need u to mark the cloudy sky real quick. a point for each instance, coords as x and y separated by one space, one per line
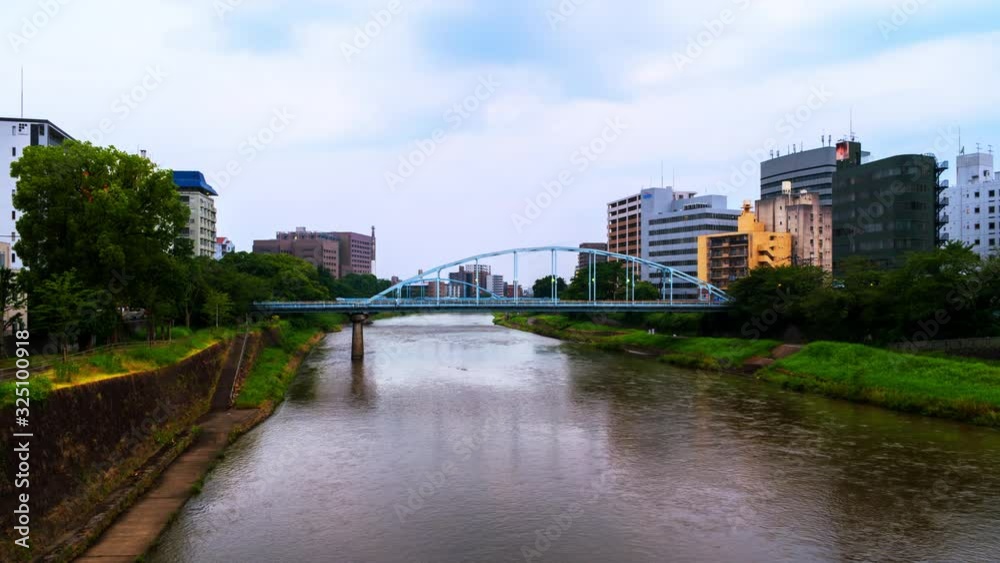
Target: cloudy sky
448 124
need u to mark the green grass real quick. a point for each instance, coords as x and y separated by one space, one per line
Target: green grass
701 353
40 388
270 374
958 389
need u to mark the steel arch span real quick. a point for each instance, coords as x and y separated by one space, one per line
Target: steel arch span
668 275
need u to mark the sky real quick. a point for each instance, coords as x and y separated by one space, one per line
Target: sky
463 127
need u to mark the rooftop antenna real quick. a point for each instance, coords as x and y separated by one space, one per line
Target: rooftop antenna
852 124
977 147
961 149
661 174
991 149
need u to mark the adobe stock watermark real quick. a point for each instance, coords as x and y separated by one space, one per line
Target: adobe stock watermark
455 117
786 127
434 481
123 106
224 7
564 10
713 30
561 523
868 218
34 24
254 144
901 14
581 161
364 35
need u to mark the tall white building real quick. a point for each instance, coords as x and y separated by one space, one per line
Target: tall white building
197 194
974 204
19 134
671 223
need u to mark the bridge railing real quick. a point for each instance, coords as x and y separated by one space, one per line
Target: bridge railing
482 304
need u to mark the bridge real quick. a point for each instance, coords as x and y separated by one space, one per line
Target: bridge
400 297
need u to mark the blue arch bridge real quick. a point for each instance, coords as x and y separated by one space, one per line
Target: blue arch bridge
675 292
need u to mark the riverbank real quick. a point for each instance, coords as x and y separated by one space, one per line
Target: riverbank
138 529
158 442
958 389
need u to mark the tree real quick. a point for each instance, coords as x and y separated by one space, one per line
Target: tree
217 307
57 308
543 286
98 212
11 300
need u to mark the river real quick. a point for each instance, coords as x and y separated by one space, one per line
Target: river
457 440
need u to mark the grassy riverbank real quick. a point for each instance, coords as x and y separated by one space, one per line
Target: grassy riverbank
276 365
959 389
692 352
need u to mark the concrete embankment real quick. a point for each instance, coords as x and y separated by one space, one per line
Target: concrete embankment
137 529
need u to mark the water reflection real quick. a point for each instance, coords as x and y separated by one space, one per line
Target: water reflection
459 441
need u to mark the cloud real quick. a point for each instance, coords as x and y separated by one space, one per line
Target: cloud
225 76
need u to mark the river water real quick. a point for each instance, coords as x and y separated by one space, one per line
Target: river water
457 440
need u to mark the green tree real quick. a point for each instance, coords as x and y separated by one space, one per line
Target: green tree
217 307
97 212
542 287
58 307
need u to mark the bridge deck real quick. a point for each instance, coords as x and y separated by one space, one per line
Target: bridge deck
489 305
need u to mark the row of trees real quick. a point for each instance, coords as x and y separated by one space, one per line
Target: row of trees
945 293
101 240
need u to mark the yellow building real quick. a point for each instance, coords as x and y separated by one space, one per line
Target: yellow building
726 257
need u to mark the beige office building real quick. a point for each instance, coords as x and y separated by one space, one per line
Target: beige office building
809 222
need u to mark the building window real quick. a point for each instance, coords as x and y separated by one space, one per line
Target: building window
13 215
13 151
993 193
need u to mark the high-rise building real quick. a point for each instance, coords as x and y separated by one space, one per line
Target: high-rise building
319 249
357 252
197 195
583 260
470 277
223 246
725 258
23 133
886 208
670 227
808 221
625 217
973 204
496 285
811 170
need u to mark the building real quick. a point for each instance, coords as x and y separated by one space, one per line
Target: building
319 249
583 260
811 170
223 246
725 258
468 278
23 133
5 262
511 290
802 215
670 227
197 195
973 204
625 218
496 285
886 208
357 252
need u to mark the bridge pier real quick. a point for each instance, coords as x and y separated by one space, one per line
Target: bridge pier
358 336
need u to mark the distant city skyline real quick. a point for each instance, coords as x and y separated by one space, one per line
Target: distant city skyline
461 128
